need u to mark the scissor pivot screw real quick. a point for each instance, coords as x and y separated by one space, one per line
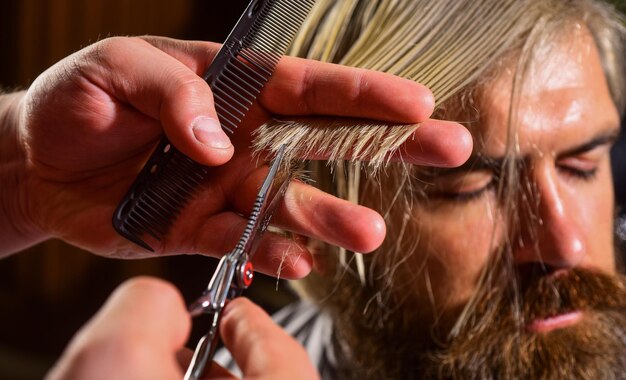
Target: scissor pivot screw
245 275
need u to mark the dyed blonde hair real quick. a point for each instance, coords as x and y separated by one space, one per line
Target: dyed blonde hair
451 46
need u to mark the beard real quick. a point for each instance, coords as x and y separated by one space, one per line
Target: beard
494 341
500 344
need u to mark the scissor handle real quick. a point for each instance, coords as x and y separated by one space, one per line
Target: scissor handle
205 349
239 276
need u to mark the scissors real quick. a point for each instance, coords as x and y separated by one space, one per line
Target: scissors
235 272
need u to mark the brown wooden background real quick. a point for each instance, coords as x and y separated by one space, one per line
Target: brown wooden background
49 291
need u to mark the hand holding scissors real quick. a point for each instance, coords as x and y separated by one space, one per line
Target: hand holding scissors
235 272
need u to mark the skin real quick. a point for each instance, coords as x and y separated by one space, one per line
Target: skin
566 126
138 334
73 143
85 127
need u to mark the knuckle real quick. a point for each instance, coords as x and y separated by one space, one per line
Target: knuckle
185 83
102 50
163 298
149 286
110 50
237 321
359 87
308 92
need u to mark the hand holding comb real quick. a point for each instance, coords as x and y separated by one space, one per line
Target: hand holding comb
236 76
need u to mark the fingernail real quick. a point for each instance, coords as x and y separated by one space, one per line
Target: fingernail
209 132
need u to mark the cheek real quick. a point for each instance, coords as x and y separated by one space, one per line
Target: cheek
597 211
456 243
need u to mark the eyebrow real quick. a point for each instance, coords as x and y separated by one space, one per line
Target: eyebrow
479 162
604 138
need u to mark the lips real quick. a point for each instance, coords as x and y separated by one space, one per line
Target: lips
546 325
559 299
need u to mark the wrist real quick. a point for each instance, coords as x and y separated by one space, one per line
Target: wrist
16 225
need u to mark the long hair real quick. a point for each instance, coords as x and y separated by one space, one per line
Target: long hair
454 47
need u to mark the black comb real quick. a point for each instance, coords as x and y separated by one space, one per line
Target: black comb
236 76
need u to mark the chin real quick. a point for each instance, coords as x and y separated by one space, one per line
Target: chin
567 327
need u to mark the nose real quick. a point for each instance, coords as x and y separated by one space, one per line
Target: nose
551 233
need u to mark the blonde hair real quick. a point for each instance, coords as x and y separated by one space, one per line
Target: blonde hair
452 47
445 45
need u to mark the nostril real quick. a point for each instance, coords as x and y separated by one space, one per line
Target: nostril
528 273
530 270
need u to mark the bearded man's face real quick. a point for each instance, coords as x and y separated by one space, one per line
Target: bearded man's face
551 302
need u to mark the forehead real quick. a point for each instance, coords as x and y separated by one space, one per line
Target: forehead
562 98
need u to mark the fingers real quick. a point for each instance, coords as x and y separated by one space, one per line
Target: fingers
305 211
260 348
164 88
169 89
196 55
208 227
305 87
437 143
434 143
134 336
276 254
215 371
311 212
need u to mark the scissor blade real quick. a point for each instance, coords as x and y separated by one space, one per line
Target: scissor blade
265 218
256 222
204 352
266 188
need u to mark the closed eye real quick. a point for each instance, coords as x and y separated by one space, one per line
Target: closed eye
584 165
462 187
585 175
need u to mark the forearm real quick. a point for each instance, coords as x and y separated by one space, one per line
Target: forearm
16 231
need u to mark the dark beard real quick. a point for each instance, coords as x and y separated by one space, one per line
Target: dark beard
495 342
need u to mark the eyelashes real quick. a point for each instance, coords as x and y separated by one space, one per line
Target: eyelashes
464 196
585 175
469 196
461 197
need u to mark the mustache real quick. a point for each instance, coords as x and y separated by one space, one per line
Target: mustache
547 295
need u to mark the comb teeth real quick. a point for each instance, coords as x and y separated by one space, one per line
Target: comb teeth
280 23
253 58
238 73
164 186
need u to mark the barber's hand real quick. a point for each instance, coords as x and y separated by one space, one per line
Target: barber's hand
90 122
140 331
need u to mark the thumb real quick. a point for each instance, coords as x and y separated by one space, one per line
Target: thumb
134 336
260 348
191 123
164 88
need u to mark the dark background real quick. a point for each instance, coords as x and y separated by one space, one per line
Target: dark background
49 291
